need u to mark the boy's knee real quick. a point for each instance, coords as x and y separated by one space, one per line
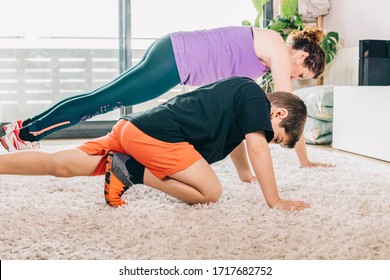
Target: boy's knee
213 195
212 199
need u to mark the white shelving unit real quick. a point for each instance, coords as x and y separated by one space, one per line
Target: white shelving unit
361 120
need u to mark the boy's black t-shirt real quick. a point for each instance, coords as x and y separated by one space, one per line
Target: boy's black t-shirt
213 118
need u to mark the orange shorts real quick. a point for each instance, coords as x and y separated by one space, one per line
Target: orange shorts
160 158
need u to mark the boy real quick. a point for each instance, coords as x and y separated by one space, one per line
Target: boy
172 145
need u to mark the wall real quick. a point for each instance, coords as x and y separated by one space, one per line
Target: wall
353 20
153 19
358 19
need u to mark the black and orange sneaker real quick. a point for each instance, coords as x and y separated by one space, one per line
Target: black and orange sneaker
117 179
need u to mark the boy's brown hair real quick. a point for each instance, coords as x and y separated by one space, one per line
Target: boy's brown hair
294 123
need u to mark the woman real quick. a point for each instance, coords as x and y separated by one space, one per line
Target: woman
190 58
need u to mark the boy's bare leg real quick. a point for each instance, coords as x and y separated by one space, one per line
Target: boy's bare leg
196 184
67 163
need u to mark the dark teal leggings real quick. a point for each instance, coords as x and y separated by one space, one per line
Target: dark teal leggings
154 75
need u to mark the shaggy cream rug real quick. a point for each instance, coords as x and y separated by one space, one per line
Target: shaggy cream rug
349 218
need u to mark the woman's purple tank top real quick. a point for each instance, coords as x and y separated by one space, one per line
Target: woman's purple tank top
205 56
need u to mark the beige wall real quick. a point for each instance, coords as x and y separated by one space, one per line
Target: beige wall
358 19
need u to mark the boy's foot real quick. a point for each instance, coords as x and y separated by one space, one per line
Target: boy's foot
8 128
11 142
117 179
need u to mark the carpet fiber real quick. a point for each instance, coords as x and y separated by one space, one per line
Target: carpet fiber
349 218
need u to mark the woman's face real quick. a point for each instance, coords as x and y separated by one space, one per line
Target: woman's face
298 70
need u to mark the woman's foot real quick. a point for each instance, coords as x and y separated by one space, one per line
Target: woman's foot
11 142
8 128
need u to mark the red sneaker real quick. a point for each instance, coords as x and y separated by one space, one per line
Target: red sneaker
8 128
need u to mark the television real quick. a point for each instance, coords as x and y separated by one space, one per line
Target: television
374 63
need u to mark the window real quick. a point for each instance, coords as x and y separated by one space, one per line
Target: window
51 50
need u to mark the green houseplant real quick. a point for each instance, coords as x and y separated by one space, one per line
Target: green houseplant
288 21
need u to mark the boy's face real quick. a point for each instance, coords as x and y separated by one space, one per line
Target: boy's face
277 116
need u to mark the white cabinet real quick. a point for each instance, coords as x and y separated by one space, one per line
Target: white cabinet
361 120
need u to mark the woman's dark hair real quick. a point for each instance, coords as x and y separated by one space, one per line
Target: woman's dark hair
308 40
295 121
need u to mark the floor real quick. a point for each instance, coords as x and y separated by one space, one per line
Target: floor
330 148
323 147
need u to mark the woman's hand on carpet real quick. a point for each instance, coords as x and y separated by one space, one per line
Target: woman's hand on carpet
317 164
290 205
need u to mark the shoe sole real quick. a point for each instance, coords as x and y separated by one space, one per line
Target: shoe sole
113 187
4 144
7 128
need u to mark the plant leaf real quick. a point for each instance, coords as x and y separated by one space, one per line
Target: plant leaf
257 21
329 45
259 5
333 36
289 8
298 22
246 23
277 25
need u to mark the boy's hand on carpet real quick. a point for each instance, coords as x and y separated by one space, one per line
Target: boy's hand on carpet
252 179
290 205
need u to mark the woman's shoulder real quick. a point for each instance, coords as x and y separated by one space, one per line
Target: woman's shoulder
268 44
267 34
